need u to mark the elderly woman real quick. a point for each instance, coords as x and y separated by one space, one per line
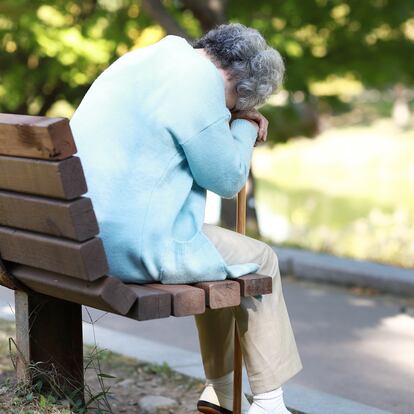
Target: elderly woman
158 128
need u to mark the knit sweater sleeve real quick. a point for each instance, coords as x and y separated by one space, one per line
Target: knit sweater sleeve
219 156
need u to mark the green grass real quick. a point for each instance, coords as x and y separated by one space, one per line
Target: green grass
349 192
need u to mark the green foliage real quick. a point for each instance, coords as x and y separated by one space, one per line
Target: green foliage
367 43
163 370
291 120
51 51
372 40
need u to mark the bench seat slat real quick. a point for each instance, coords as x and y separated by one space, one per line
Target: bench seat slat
185 300
106 293
36 136
255 284
70 219
56 179
150 304
220 294
85 260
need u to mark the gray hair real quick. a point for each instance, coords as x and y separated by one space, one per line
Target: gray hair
256 68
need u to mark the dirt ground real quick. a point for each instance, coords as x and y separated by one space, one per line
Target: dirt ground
117 383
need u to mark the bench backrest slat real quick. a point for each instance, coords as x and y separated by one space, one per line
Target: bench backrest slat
85 260
58 179
44 222
69 219
36 137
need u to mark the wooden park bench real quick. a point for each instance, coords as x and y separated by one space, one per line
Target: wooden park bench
55 261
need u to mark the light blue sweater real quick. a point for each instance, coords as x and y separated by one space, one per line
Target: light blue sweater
153 134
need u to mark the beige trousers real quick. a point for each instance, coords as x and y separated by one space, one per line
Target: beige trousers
268 344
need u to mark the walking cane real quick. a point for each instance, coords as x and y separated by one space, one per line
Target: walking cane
237 363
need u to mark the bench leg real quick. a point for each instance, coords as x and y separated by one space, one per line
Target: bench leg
49 333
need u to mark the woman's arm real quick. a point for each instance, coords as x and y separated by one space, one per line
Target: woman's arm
219 156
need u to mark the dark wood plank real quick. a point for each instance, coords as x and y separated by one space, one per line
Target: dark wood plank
71 219
9 281
255 284
6 279
49 334
36 137
85 260
106 293
185 300
57 179
220 294
150 304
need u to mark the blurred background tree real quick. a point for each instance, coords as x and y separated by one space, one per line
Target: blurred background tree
52 50
335 50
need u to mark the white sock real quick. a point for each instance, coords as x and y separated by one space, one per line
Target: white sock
219 391
269 403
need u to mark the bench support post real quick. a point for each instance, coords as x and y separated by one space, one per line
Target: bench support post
49 335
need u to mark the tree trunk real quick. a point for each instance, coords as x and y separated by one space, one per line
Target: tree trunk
401 110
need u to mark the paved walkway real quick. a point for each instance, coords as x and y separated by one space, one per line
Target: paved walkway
354 347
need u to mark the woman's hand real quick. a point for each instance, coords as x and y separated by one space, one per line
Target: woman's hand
258 118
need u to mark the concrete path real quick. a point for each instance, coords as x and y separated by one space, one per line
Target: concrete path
354 347
343 271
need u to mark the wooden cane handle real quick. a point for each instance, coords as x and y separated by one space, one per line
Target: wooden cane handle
241 211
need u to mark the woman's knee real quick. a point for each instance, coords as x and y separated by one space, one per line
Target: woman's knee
270 264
